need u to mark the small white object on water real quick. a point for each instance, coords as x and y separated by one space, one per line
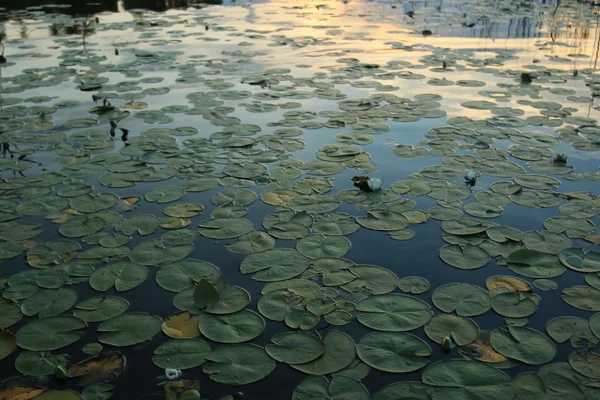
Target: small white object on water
173 374
471 176
374 183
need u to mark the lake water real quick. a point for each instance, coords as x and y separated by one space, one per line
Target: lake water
148 134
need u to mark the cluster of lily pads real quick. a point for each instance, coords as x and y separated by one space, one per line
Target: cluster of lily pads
86 217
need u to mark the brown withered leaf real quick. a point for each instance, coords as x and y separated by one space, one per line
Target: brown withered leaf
21 388
28 244
182 325
361 182
175 389
136 105
174 223
592 239
20 393
482 350
128 203
103 367
63 216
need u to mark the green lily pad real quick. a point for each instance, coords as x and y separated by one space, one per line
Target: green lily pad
574 329
10 314
164 194
122 275
234 197
252 242
181 275
88 203
393 352
49 302
181 353
317 246
220 298
579 260
274 265
546 242
314 203
371 279
225 228
154 252
586 364
383 221
514 304
535 264
413 284
393 312
340 351
462 330
340 388
464 226
403 390
238 364
466 300
50 333
129 329
96 309
81 227
468 257
465 379
524 344
38 364
295 347
238 327
582 297
42 205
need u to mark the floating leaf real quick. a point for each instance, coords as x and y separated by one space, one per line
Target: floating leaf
182 326
129 329
49 302
95 309
122 275
468 257
340 388
274 265
154 252
467 300
181 275
238 327
393 312
459 379
340 350
295 347
238 364
225 228
523 344
103 367
462 330
393 352
50 333
181 353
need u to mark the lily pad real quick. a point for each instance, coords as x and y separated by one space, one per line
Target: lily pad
129 329
340 351
524 344
238 364
50 333
295 347
393 352
393 312
181 353
238 327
